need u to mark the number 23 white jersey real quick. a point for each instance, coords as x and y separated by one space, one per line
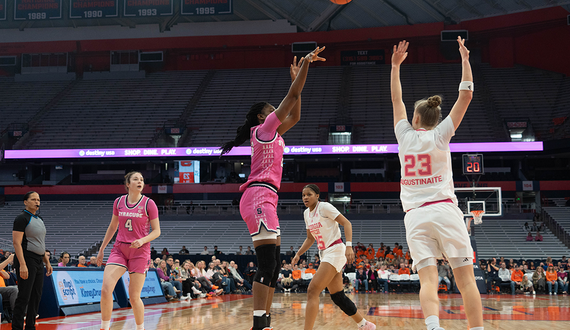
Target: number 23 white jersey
321 222
425 161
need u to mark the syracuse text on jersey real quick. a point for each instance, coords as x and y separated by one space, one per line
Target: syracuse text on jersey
130 214
422 181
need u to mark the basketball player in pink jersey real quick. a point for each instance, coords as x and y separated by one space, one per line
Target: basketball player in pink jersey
322 220
134 215
264 127
434 223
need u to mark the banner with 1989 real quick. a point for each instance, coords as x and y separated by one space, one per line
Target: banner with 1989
37 9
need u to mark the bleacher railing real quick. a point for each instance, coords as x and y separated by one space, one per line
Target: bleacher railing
556 228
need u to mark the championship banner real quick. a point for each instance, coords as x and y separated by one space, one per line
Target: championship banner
37 9
206 7
2 10
77 287
93 8
148 8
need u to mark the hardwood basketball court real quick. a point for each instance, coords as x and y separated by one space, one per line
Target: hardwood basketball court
389 311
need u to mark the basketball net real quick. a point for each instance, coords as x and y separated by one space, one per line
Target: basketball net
477 216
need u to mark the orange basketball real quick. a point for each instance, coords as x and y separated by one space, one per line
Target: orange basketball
341 2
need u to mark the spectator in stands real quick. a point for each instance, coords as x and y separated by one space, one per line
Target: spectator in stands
539 280
249 251
516 278
526 227
562 279
81 261
404 269
291 251
157 262
199 272
529 237
230 285
240 251
238 277
383 275
189 283
316 261
552 280
372 276
250 272
7 293
216 252
349 268
286 283
370 252
205 252
381 252
165 281
361 280
93 262
63 259
504 273
443 274
538 237
153 253
492 275
165 252
532 266
184 251
526 270
297 277
564 261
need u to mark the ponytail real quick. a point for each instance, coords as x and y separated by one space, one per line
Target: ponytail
243 131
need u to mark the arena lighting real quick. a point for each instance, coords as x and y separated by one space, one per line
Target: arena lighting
352 149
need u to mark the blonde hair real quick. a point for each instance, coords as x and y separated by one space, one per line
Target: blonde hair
128 178
429 111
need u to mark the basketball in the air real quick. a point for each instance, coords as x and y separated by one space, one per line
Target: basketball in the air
341 2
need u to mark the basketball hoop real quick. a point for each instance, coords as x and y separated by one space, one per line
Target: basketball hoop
477 216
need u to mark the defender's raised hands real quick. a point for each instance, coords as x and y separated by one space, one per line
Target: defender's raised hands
462 49
314 55
400 52
295 67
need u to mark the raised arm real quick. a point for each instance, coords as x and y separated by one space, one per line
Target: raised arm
399 55
296 88
295 114
465 88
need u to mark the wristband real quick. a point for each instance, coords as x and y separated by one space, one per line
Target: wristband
467 86
348 243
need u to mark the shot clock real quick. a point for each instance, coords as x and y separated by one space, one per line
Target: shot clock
473 164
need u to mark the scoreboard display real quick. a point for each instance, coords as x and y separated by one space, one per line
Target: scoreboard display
206 7
148 8
93 9
473 164
37 9
2 10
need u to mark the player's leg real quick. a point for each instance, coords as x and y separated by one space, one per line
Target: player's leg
323 277
135 287
111 275
465 280
276 272
338 296
429 282
261 289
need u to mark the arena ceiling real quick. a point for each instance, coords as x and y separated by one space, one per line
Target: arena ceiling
322 15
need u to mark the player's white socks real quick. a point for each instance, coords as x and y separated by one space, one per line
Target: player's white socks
362 323
432 322
105 325
140 326
259 313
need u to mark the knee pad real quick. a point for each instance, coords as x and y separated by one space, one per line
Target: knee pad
277 269
344 303
265 264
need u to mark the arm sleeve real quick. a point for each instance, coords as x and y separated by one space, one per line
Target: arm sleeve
268 129
402 128
444 132
116 207
151 209
329 211
20 224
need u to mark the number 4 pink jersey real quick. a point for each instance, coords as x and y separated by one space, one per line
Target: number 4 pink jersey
134 220
425 164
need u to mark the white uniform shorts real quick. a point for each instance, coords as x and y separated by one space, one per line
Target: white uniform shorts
436 230
334 255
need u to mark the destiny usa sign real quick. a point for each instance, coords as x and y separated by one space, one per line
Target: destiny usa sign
352 149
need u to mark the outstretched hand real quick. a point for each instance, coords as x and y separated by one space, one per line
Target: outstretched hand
295 67
400 52
462 49
314 55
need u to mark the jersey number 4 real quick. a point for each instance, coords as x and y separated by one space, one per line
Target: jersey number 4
410 165
129 225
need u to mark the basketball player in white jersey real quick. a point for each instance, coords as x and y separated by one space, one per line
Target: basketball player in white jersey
434 223
322 220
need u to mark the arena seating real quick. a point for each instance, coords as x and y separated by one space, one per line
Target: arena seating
22 100
116 113
561 215
75 226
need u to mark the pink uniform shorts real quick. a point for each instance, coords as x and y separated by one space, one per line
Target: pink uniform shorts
134 260
258 207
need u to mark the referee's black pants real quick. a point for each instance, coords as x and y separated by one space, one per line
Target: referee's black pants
29 292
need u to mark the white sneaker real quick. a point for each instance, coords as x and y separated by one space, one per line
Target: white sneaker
555 293
183 297
534 292
196 291
368 326
550 293
189 296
